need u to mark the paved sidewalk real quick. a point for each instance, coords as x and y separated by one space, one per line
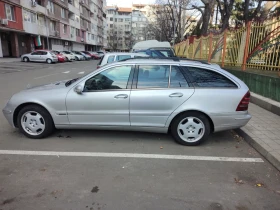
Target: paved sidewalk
9 60
263 133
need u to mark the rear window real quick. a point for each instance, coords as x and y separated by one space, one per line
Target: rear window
208 78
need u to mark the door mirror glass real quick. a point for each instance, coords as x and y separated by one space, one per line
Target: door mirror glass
79 89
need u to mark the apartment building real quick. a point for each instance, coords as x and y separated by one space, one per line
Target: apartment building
26 25
126 26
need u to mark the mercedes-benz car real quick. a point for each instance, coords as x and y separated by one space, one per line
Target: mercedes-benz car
189 99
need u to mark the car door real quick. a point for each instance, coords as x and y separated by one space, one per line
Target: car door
35 56
156 92
104 100
43 56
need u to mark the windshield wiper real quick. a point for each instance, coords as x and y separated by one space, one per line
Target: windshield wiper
71 81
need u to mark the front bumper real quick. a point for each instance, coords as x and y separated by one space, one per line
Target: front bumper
9 115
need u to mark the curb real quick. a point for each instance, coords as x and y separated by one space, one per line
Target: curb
266 103
262 148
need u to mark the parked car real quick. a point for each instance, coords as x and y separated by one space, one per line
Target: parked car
78 57
93 56
60 56
69 57
86 57
154 48
40 56
113 57
101 53
189 99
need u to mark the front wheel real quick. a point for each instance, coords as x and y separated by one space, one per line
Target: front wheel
35 122
190 128
26 59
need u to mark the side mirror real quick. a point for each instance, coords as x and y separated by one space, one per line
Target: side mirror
79 89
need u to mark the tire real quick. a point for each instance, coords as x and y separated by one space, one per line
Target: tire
25 59
42 117
190 128
49 61
67 60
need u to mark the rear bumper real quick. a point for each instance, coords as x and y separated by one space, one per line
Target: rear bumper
227 122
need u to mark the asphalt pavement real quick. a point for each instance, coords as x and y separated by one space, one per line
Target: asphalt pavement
85 169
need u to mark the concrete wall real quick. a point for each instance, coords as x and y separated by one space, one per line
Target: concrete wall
78 47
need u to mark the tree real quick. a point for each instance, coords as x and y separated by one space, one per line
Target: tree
225 7
112 39
247 10
169 16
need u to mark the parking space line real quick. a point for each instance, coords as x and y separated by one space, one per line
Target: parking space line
45 76
66 72
82 72
130 155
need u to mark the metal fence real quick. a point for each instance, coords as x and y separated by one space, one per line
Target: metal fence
255 46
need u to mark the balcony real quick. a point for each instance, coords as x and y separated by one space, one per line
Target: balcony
73 9
36 8
74 23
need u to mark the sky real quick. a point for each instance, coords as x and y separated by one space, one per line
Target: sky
128 3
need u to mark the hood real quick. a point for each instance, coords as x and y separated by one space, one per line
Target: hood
51 86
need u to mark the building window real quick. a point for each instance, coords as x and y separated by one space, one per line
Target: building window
111 19
41 20
120 20
83 34
63 13
92 36
77 18
77 32
126 27
10 12
51 7
52 27
72 30
127 19
64 29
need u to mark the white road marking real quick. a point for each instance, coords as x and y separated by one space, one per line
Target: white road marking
81 72
130 155
45 76
66 72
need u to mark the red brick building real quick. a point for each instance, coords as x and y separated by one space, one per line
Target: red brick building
11 26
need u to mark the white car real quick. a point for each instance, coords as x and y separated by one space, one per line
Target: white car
77 57
69 57
113 57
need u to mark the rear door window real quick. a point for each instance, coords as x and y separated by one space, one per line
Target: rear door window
177 79
153 76
208 78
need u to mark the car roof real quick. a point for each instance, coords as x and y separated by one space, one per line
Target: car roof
123 53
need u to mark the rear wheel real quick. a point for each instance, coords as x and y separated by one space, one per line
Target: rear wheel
49 61
35 122
190 128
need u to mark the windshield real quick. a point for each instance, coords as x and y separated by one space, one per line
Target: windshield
164 52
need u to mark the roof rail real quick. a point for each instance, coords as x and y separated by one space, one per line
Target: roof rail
166 58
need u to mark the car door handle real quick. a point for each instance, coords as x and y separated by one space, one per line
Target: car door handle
176 95
121 96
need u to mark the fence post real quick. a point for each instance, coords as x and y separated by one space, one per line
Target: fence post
200 43
248 30
224 48
210 47
187 48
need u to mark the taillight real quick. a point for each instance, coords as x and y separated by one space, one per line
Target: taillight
244 103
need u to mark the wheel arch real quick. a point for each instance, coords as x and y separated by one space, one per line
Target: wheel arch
197 111
21 106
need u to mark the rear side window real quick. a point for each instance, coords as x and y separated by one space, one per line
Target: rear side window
121 57
111 59
207 78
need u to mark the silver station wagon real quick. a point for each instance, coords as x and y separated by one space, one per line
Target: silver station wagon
189 99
